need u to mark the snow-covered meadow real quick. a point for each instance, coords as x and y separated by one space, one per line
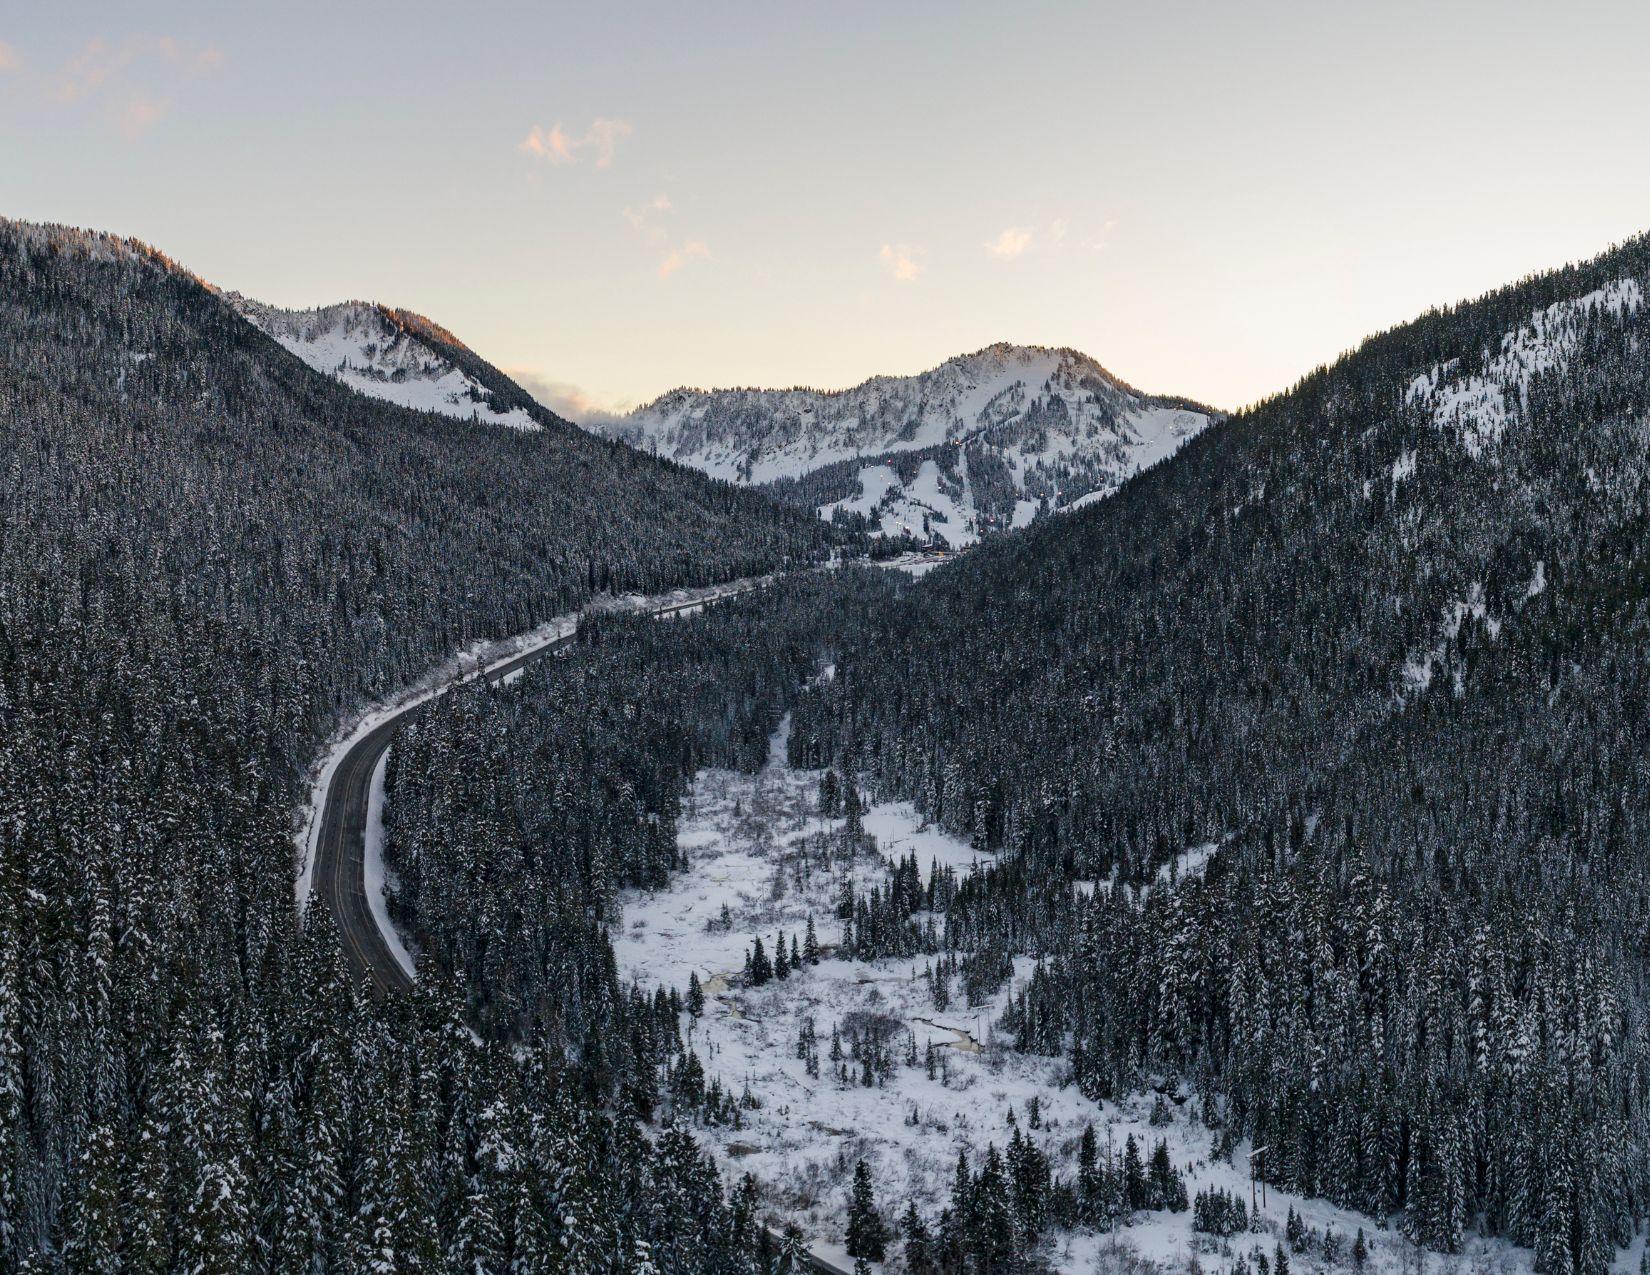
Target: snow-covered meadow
758 865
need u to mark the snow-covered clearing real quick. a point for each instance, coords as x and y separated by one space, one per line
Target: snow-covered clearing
1188 863
917 565
921 508
875 482
1418 668
758 864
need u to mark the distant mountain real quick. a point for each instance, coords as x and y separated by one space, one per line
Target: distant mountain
397 356
984 441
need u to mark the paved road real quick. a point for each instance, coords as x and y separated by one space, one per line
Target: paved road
340 850
339 879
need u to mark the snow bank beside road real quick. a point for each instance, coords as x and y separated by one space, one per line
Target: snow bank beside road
373 871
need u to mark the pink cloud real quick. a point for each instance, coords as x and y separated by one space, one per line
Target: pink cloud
676 258
643 219
555 145
130 82
101 64
649 221
552 145
901 262
141 113
1011 243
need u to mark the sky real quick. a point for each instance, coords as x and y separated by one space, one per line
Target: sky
616 198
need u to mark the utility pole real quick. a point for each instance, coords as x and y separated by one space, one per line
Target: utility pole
1254 1156
1116 1222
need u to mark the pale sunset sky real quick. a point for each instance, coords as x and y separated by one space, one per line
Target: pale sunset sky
612 199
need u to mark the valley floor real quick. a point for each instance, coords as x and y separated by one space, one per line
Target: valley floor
762 862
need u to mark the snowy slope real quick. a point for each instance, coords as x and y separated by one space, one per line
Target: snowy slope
1002 434
1476 407
926 507
387 354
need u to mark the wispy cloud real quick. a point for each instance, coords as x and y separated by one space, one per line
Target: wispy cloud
901 262
1049 238
101 65
1011 243
141 113
649 221
645 218
555 145
566 399
129 82
676 258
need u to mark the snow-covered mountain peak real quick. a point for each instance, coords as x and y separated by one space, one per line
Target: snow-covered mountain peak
986 439
394 355
998 365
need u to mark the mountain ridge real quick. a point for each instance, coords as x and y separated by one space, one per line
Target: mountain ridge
400 356
876 377
983 441
415 347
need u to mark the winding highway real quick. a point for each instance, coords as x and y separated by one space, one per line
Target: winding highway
339 870
339 879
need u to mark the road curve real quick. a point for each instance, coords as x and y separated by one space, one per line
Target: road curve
339 873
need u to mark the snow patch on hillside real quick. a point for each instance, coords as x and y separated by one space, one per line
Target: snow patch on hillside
358 345
927 507
896 510
1190 862
1477 408
1418 668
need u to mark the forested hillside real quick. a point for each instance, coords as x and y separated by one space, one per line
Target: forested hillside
1310 768
1381 639
208 552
